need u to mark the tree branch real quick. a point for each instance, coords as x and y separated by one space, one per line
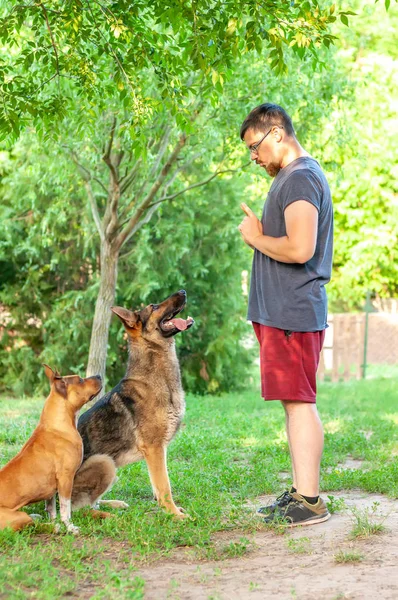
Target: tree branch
111 216
162 150
51 35
111 137
195 185
128 179
155 205
94 210
84 172
138 226
178 170
119 158
130 228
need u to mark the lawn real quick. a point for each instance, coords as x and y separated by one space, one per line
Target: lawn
230 450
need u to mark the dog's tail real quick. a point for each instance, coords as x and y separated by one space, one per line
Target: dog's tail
95 477
15 519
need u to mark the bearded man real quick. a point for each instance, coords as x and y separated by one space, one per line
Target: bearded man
293 245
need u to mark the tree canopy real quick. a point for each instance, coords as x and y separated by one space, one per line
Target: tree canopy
55 52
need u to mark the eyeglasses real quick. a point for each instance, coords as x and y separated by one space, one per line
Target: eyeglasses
254 147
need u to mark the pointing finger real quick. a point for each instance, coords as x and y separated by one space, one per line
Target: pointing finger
246 209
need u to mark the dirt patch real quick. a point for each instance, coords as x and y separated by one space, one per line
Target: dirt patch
297 565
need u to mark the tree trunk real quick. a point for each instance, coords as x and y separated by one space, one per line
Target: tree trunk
102 316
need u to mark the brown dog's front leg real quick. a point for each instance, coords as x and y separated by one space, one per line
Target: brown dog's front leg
65 510
64 494
155 457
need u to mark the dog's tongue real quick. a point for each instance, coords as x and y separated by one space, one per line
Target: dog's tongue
181 324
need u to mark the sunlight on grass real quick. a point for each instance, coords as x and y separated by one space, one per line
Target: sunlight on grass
280 437
332 426
392 417
249 442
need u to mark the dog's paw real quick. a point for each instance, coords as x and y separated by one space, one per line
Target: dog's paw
70 528
181 514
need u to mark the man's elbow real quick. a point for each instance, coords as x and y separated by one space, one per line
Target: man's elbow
303 255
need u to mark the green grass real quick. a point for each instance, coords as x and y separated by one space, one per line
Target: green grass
365 522
301 545
351 557
230 449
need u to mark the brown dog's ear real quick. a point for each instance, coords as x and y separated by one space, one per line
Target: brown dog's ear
49 373
60 386
128 318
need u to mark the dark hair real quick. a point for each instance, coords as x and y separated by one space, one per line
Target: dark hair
264 116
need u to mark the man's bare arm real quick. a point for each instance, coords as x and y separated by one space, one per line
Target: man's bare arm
298 246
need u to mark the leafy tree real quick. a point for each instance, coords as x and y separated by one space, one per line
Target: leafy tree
192 240
136 79
53 51
138 156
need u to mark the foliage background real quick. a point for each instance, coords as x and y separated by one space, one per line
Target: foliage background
344 115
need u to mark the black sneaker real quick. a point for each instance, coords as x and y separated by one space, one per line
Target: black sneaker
280 502
299 512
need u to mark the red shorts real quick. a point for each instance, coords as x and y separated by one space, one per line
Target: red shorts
288 363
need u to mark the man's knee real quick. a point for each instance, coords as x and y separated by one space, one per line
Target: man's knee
296 406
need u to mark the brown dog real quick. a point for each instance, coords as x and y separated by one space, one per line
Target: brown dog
50 458
138 418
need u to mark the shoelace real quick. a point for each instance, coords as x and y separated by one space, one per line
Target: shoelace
284 499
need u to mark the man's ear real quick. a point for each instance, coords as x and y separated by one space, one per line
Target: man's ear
49 373
128 318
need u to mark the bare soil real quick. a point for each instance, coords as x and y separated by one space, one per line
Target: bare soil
274 569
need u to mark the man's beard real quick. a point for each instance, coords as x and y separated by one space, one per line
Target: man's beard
272 169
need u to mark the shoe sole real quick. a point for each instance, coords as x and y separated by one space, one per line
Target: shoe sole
311 521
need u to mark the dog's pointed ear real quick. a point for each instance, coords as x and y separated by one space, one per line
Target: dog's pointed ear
55 377
49 373
60 386
128 318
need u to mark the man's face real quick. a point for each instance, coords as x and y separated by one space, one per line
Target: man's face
265 155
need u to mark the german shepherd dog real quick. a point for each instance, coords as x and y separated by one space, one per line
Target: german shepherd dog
139 417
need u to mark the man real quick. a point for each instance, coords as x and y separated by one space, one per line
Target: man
287 303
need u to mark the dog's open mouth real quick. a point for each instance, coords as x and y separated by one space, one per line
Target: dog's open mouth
95 394
170 324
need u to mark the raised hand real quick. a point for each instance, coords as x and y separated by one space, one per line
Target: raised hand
250 228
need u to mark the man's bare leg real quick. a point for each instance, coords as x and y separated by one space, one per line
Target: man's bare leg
294 480
305 435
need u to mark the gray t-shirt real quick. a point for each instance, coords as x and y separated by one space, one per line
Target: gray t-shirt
293 296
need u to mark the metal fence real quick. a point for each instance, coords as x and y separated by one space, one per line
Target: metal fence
362 345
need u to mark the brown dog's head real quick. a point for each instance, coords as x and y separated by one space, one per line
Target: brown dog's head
75 390
156 321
